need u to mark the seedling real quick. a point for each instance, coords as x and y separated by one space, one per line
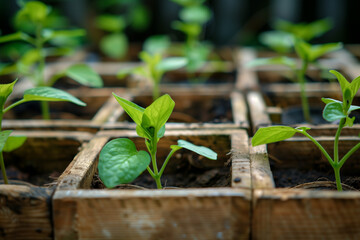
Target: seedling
32 63
135 15
119 160
9 143
154 68
334 111
281 42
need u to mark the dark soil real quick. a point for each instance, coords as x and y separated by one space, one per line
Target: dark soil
188 78
187 175
294 115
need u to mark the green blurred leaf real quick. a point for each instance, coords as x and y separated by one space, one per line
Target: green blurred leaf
285 61
272 134
196 14
33 11
171 63
52 34
50 94
156 44
280 42
203 151
111 23
4 135
139 18
120 162
14 142
16 37
84 75
333 111
114 45
316 51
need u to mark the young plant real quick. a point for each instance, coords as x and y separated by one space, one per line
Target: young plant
132 14
32 64
334 111
48 94
154 68
307 53
119 160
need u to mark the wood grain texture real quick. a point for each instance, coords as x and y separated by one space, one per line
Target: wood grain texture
261 175
209 213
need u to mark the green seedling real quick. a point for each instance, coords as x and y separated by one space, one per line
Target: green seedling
132 14
119 160
296 36
38 37
334 111
9 143
153 68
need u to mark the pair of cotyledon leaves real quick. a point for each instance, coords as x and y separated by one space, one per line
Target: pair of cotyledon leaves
119 160
333 111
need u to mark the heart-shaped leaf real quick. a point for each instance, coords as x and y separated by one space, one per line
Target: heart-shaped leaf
50 94
84 75
4 135
120 162
333 111
14 142
272 134
203 151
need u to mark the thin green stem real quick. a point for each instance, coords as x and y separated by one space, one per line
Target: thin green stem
14 105
45 110
336 141
348 154
153 150
151 172
304 100
338 179
331 161
3 170
166 161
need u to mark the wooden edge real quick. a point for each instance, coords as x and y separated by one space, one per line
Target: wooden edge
80 171
81 136
108 112
239 109
311 88
240 162
260 168
258 112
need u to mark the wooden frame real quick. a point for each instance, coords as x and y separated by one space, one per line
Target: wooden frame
25 208
209 213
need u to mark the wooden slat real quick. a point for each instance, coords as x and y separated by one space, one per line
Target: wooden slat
260 168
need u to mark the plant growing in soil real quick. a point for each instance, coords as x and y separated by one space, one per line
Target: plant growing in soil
334 111
119 160
308 54
38 35
153 68
9 143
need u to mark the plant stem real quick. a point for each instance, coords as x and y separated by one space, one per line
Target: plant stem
337 178
348 154
3 170
153 151
45 111
304 100
336 141
166 161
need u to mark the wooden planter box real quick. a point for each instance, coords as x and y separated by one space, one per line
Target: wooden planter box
26 211
80 212
195 107
291 213
100 108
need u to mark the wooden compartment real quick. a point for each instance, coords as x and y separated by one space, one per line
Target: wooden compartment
25 208
203 213
195 107
302 213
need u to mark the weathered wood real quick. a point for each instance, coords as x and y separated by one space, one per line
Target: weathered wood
261 175
25 209
284 213
211 213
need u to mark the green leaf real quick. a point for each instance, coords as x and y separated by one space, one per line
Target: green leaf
354 86
333 111
316 51
114 45
156 115
84 75
329 100
139 18
190 29
156 44
282 60
14 142
203 151
4 135
15 37
353 108
344 84
52 34
171 63
33 11
50 94
279 41
120 162
133 110
303 49
349 122
111 23
272 134
196 14
5 91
